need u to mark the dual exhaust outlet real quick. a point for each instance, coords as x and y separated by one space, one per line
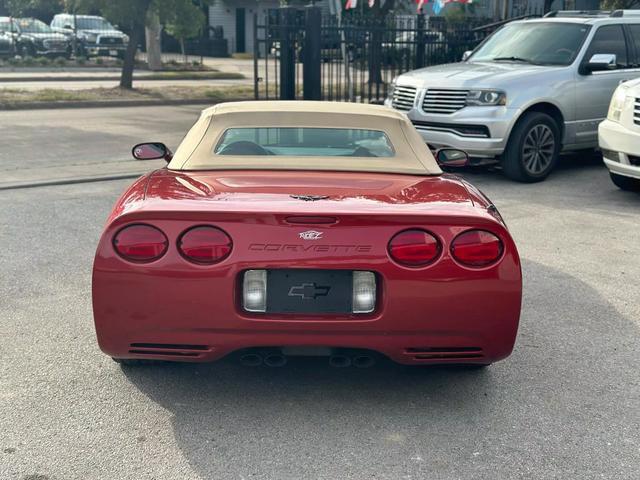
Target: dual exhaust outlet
276 360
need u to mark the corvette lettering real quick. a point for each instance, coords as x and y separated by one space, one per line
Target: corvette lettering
279 247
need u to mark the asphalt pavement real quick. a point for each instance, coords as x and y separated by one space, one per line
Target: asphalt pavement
565 405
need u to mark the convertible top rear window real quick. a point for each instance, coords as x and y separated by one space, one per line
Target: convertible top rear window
304 142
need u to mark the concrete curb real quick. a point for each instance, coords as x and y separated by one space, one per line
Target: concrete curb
110 103
69 181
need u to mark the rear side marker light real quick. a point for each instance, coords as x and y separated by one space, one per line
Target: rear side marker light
414 248
140 243
204 244
477 248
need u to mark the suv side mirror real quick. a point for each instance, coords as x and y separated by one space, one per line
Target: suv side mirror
451 157
152 151
466 55
602 61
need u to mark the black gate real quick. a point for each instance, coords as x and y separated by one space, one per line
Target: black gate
299 53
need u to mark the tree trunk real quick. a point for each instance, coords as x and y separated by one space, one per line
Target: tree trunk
137 27
126 78
152 36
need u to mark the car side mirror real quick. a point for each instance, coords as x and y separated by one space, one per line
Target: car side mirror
152 151
466 55
67 26
451 157
602 61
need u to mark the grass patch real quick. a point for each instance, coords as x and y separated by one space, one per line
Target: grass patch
242 56
193 76
14 98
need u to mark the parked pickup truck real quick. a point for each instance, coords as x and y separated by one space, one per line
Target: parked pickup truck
94 36
531 90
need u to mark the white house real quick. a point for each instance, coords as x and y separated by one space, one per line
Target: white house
236 18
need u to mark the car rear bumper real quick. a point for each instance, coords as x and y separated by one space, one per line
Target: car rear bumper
620 147
462 317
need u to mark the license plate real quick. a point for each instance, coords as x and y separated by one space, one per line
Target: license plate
113 53
309 291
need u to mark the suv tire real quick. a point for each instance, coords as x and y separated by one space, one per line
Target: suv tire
625 183
533 148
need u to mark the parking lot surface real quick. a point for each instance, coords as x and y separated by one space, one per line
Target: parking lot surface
566 405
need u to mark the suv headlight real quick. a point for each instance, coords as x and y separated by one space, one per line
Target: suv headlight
486 98
619 102
91 37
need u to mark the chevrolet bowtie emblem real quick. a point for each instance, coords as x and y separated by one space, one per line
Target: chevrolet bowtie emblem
309 198
309 291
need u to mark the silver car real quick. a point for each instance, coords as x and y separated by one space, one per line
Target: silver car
531 90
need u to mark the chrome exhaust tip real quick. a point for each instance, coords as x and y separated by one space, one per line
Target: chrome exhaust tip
275 360
251 360
339 361
363 361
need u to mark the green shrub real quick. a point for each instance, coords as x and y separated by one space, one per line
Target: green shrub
99 61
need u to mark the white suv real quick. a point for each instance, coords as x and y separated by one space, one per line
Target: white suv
619 136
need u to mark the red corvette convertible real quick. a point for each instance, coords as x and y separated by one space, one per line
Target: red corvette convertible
284 229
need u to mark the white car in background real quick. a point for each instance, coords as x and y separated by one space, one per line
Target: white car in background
619 136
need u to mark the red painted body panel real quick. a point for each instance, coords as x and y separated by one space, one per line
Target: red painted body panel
436 314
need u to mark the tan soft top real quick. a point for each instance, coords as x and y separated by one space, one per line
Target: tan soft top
196 152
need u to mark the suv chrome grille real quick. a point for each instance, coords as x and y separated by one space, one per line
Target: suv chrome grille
403 97
636 112
444 101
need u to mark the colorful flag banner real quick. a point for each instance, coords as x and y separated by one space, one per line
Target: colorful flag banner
351 4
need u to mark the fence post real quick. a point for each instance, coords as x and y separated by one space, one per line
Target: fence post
311 52
256 54
287 53
420 45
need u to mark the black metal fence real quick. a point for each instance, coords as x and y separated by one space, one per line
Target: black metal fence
301 54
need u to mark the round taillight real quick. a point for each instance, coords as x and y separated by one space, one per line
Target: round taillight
414 248
477 248
205 245
140 243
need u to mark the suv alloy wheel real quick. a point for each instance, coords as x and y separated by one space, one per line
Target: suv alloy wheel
533 148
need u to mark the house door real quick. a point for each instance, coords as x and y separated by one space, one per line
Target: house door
241 46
